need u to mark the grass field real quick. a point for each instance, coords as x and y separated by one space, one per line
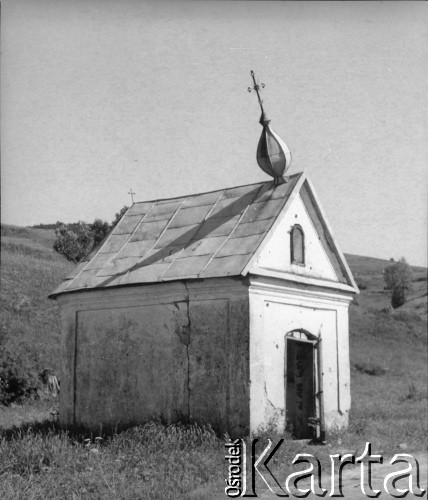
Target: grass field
29 321
38 461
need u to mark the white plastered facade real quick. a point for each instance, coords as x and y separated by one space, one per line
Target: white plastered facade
284 297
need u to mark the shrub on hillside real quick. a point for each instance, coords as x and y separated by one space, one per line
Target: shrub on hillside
99 229
74 244
398 278
15 383
76 240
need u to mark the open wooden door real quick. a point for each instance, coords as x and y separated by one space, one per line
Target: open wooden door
300 387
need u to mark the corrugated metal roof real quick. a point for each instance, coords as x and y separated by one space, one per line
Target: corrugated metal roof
199 236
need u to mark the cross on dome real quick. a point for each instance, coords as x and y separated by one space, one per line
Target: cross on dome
273 155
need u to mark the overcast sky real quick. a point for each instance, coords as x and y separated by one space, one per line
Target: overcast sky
99 96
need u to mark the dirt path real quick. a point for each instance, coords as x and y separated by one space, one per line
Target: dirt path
351 482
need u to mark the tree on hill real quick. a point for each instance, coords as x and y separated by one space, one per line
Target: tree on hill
398 278
74 242
99 229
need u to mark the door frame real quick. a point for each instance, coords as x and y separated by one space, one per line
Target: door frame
302 335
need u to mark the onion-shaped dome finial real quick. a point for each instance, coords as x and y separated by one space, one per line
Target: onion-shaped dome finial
273 155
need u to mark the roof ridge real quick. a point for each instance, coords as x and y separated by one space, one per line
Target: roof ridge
213 191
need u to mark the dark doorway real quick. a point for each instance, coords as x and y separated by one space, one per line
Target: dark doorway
300 387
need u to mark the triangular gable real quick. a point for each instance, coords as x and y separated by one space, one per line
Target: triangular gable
323 259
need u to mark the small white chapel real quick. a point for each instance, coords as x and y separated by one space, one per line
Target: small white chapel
227 307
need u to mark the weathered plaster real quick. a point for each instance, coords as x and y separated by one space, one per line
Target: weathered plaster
275 310
121 355
130 354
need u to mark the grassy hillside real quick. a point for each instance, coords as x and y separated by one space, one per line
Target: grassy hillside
388 376
368 271
29 321
388 350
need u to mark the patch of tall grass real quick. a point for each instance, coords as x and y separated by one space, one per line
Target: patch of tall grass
150 461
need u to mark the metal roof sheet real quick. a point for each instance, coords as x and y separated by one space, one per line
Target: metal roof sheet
199 236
